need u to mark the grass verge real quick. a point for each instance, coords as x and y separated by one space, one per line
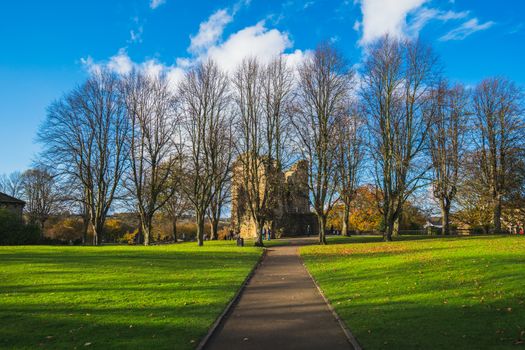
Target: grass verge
162 297
455 293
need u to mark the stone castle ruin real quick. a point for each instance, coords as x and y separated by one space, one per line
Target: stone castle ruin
289 208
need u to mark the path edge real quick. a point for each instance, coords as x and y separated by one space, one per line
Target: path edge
348 333
218 321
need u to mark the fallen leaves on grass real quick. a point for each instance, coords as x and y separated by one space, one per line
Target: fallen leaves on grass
375 249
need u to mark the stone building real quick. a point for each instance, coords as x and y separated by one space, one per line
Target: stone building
12 204
288 210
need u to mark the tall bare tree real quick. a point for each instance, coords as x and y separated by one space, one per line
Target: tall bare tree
177 202
498 106
150 108
323 91
204 95
263 93
472 200
222 178
85 138
41 194
350 154
398 77
448 120
12 184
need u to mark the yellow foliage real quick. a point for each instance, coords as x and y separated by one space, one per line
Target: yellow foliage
114 229
129 237
364 213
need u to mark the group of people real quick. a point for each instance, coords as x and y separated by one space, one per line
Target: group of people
267 234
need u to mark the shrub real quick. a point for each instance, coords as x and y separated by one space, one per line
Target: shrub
115 229
13 231
65 229
129 237
224 232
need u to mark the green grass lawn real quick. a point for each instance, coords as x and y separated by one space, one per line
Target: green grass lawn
444 293
162 297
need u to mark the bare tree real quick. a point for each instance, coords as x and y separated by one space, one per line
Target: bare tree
448 120
350 154
85 138
204 98
150 109
323 91
263 94
498 106
397 80
177 202
41 195
223 156
277 81
12 184
472 200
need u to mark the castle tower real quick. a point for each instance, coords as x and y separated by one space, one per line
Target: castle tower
289 202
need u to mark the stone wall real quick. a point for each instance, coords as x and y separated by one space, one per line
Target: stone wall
16 209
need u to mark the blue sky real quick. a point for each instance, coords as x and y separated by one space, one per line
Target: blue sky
49 47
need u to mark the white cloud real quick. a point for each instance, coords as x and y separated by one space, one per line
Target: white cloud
356 26
153 4
255 41
90 64
308 4
382 17
399 18
122 64
425 15
448 15
136 35
210 31
297 57
466 29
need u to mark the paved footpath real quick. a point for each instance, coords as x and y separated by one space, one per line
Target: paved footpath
280 308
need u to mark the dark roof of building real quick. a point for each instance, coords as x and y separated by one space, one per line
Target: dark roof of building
4 198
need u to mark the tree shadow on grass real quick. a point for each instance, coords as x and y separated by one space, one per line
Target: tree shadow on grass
52 327
472 299
76 296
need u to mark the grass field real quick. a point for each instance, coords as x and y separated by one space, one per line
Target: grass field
445 293
162 297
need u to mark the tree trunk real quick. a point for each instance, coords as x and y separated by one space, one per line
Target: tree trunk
322 232
140 235
215 229
395 228
85 225
346 215
497 215
200 229
445 219
42 226
146 229
389 228
97 233
174 228
259 239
